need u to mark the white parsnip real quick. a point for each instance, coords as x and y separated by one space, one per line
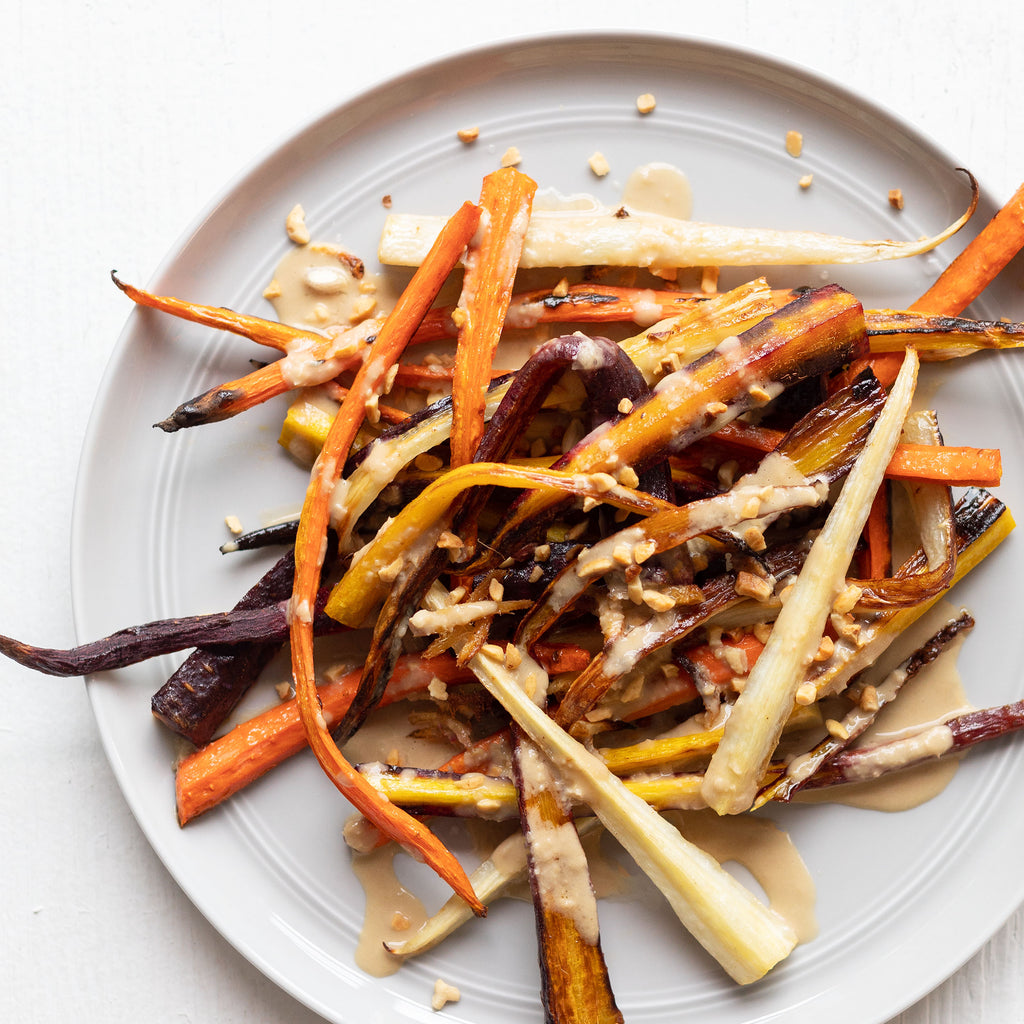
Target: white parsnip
567 238
755 724
746 937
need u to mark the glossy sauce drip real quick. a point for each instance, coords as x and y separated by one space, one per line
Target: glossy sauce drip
659 188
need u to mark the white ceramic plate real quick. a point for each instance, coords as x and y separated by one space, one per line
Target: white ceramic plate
903 899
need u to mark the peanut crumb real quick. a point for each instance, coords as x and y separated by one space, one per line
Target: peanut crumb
513 657
450 541
589 504
389 380
623 554
438 689
794 143
716 408
511 157
896 198
493 651
389 573
595 567
805 181
657 601
625 406
758 393
754 539
400 922
561 289
749 585
234 524
273 290
869 699
536 574
468 135
283 690
847 600
825 649
643 550
295 225
762 630
806 694
599 164
444 994
628 477
460 317
836 729
542 552
495 590
645 102
385 201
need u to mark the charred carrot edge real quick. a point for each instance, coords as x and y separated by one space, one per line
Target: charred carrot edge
231 762
313 523
979 263
264 332
957 466
506 199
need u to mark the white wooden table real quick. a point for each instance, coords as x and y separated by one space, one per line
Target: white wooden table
117 123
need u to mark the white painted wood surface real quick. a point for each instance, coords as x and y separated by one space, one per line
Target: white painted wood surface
117 123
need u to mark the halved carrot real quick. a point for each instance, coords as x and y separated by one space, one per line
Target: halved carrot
309 546
878 535
979 263
506 199
231 762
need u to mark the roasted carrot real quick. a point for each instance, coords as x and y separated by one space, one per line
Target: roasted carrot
231 762
878 535
979 263
313 524
506 199
954 465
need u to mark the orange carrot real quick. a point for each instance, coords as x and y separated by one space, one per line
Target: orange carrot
388 413
954 465
241 756
309 548
979 263
878 535
506 199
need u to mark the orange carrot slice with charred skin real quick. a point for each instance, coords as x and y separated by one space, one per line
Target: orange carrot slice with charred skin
309 549
506 199
980 262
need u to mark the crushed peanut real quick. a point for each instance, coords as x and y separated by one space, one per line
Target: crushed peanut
762 630
511 157
794 143
847 600
590 503
536 574
389 573
657 601
295 225
362 307
542 552
273 290
749 585
561 289
460 317
716 408
625 406
595 567
495 589
444 994
645 102
896 198
836 729
389 380
751 507
234 524
513 657
283 690
869 699
825 649
623 554
400 922
758 393
438 689
468 135
599 164
805 181
493 651
754 539
806 694
449 541
628 477
643 550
